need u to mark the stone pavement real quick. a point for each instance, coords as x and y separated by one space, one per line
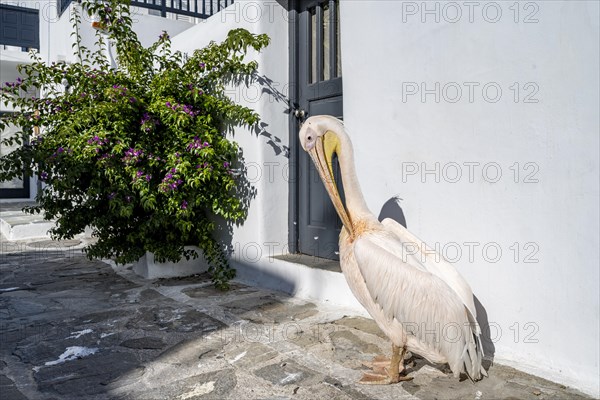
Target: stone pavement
71 328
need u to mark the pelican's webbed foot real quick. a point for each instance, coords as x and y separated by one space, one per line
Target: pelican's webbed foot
378 364
382 375
371 378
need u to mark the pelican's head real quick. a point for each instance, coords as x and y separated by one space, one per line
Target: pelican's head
316 127
320 137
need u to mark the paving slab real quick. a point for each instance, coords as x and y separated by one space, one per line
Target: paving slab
71 328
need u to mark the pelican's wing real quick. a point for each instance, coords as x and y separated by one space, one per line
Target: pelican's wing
425 305
433 262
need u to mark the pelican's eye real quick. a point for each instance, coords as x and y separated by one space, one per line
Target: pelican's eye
310 138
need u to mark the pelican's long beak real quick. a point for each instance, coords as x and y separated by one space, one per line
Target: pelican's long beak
322 156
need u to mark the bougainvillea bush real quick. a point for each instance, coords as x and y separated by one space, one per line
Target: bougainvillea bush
139 153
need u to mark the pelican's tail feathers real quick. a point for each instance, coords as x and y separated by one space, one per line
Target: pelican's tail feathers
472 356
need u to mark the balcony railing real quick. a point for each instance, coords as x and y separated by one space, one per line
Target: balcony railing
193 8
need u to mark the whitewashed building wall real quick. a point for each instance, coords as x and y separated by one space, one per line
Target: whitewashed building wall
482 118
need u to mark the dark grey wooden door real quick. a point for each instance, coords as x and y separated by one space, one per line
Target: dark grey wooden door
319 93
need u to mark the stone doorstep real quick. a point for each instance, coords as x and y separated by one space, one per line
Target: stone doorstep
300 279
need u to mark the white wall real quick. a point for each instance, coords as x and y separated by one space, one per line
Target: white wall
147 27
388 49
266 228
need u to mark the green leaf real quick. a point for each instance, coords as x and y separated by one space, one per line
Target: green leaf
139 185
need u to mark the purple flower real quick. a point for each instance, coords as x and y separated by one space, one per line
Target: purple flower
202 65
184 205
97 140
132 155
112 196
60 150
226 164
43 176
168 104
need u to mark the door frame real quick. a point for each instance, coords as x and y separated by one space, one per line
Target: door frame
295 85
294 125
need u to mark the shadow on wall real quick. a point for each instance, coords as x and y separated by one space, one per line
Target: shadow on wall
489 350
245 192
391 209
253 274
267 88
261 129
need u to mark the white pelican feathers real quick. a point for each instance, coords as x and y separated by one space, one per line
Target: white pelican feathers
417 298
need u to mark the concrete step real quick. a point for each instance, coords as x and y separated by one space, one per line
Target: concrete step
302 276
18 225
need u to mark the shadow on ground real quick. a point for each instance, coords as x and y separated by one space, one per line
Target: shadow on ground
71 328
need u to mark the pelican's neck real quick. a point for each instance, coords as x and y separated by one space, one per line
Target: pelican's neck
355 202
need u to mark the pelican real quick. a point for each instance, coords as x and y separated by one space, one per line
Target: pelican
418 299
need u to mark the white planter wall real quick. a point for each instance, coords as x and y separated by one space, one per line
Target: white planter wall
149 268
